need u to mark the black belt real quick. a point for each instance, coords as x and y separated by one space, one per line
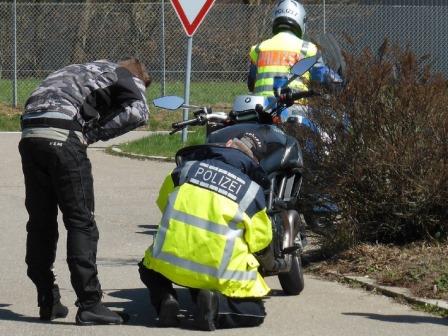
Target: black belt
71 125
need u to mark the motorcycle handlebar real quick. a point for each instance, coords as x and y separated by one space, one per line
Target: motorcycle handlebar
201 119
305 94
290 96
182 124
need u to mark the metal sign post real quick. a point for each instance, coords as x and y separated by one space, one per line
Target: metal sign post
14 93
187 86
163 50
191 13
325 18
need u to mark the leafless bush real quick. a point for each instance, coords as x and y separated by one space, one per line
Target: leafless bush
387 168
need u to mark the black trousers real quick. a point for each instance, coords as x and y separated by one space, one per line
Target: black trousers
60 174
232 312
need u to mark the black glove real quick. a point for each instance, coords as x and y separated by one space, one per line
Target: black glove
286 96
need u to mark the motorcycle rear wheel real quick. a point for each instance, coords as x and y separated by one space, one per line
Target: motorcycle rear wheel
293 282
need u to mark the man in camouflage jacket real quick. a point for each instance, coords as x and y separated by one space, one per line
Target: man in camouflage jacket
72 108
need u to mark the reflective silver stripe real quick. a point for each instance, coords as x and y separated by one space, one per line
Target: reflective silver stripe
304 49
185 170
257 48
231 233
163 227
199 222
226 257
265 75
248 197
238 218
239 275
230 243
53 115
251 193
203 269
265 88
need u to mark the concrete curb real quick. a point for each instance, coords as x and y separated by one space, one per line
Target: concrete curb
118 152
394 292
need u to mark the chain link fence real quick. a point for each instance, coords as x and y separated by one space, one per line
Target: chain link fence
52 35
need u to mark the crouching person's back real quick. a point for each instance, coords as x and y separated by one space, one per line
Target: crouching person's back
214 219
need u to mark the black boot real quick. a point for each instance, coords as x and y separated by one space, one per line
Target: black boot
97 314
169 308
207 310
50 306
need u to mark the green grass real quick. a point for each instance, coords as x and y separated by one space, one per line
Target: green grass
161 120
163 144
9 123
24 89
430 309
201 93
218 95
442 282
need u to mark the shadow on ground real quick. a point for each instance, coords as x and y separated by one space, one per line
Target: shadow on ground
409 319
9 315
138 306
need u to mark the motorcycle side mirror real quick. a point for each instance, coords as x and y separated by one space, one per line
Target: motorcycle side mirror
301 67
168 102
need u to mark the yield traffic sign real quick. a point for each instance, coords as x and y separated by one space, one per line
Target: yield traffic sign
191 13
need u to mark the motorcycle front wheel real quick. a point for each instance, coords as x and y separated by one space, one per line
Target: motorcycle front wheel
292 282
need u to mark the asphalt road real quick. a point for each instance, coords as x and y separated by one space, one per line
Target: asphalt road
126 215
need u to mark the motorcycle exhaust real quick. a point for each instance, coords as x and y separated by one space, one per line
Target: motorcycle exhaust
295 221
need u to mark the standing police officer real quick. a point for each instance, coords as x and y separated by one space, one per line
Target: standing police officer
274 56
72 108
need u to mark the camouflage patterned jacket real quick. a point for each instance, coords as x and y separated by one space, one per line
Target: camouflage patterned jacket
99 99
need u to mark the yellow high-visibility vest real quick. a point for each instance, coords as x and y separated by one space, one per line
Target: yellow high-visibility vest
275 56
206 238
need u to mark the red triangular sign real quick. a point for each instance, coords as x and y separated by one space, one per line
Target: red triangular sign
191 13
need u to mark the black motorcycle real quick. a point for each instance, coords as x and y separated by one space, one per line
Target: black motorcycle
281 159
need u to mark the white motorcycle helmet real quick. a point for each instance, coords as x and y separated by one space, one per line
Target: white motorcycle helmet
289 15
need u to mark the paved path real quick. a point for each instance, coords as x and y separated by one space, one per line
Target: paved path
125 212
